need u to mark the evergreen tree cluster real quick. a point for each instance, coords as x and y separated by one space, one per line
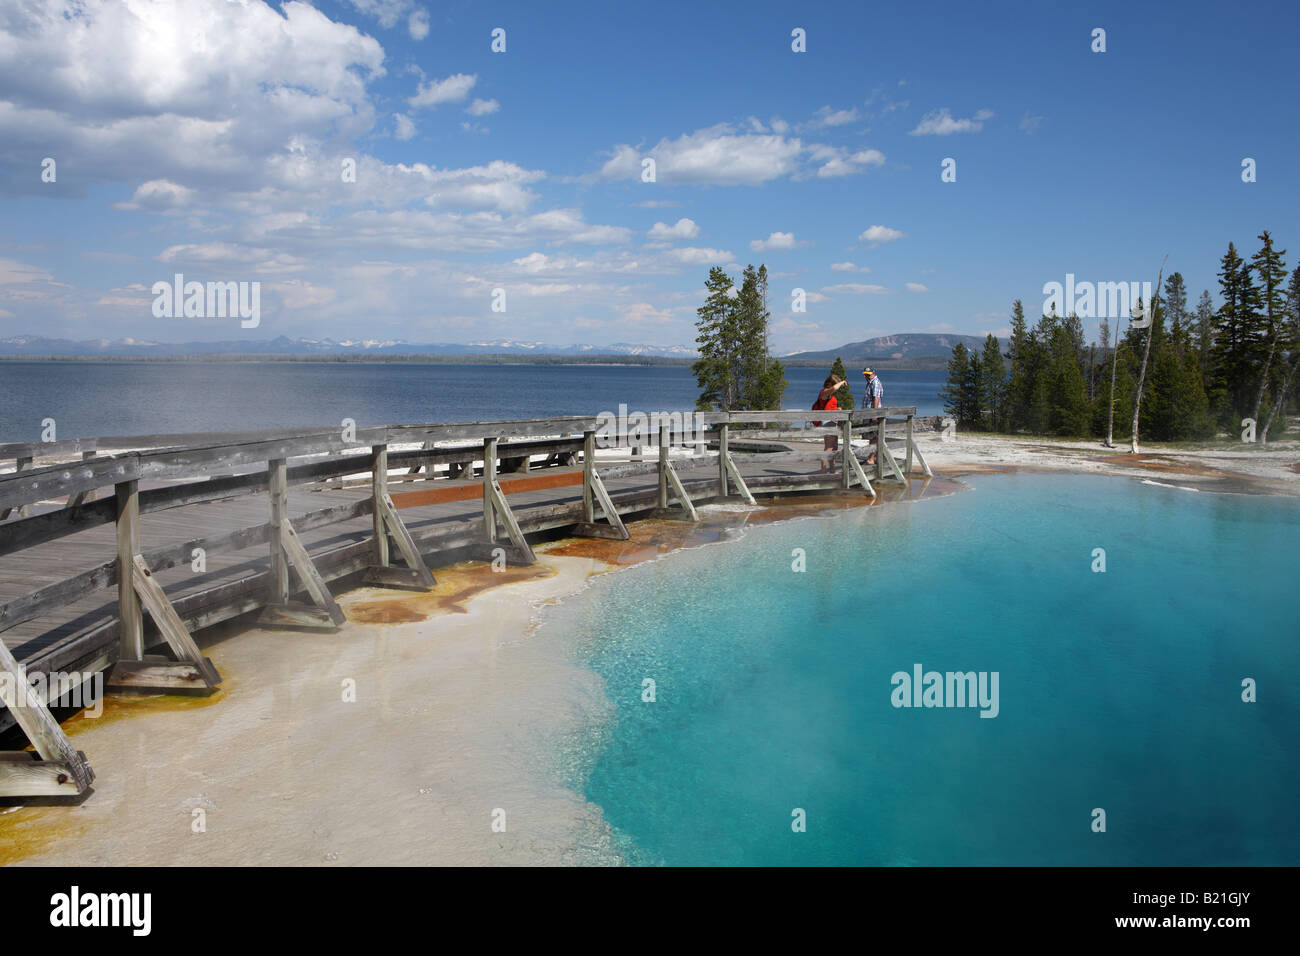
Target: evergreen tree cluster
1207 368
735 370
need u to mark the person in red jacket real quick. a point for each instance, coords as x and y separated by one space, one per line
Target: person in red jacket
826 402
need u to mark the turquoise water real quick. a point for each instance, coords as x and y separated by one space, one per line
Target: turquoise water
1118 690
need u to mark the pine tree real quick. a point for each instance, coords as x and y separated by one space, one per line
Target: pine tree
716 371
1060 394
1204 333
1176 408
994 381
1023 355
1175 306
1038 357
961 392
1268 264
844 397
1238 339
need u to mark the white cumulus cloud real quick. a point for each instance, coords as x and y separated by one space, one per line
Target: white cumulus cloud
942 123
879 234
453 89
682 229
856 288
693 256
718 155
776 241
417 24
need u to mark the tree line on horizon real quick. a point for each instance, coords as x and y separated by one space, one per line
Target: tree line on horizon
1190 375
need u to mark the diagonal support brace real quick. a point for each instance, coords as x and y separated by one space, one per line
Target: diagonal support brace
62 770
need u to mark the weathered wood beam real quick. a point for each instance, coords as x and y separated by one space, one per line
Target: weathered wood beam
723 452
127 498
883 451
80 498
607 505
589 529
40 727
51 525
169 623
680 491
308 575
920 458
588 471
738 479
25 510
663 467
378 492
395 577
489 479
48 449
296 614
22 775
392 524
157 673
277 482
502 509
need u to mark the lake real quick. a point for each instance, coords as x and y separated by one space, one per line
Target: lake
92 399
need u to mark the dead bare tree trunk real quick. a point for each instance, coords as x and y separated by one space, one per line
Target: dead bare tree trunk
1110 418
1263 379
1281 399
1146 354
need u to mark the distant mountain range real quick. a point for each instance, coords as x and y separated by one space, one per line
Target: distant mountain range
911 349
38 345
904 347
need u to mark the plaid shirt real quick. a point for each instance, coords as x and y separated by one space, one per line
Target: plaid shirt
874 390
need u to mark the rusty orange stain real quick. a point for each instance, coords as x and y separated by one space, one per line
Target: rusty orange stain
456 585
468 492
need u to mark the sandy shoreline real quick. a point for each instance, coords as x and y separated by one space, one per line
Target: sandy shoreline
451 722
457 714
1226 468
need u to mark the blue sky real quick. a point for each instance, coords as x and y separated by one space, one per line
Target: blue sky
207 138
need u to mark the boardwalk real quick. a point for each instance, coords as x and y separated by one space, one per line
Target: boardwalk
214 527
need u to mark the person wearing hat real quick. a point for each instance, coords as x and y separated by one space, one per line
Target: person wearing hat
875 392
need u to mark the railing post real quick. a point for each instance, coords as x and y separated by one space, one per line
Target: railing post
128 546
489 476
663 466
846 439
277 483
880 453
722 459
81 497
588 467
24 464
907 459
378 489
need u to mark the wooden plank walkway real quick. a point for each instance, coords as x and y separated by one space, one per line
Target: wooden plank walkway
56 642
281 515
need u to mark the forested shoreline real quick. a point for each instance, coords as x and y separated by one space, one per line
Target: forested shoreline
1201 373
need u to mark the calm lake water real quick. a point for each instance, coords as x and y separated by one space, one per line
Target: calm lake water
136 398
1119 690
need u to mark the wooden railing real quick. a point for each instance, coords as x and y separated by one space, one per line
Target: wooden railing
207 468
